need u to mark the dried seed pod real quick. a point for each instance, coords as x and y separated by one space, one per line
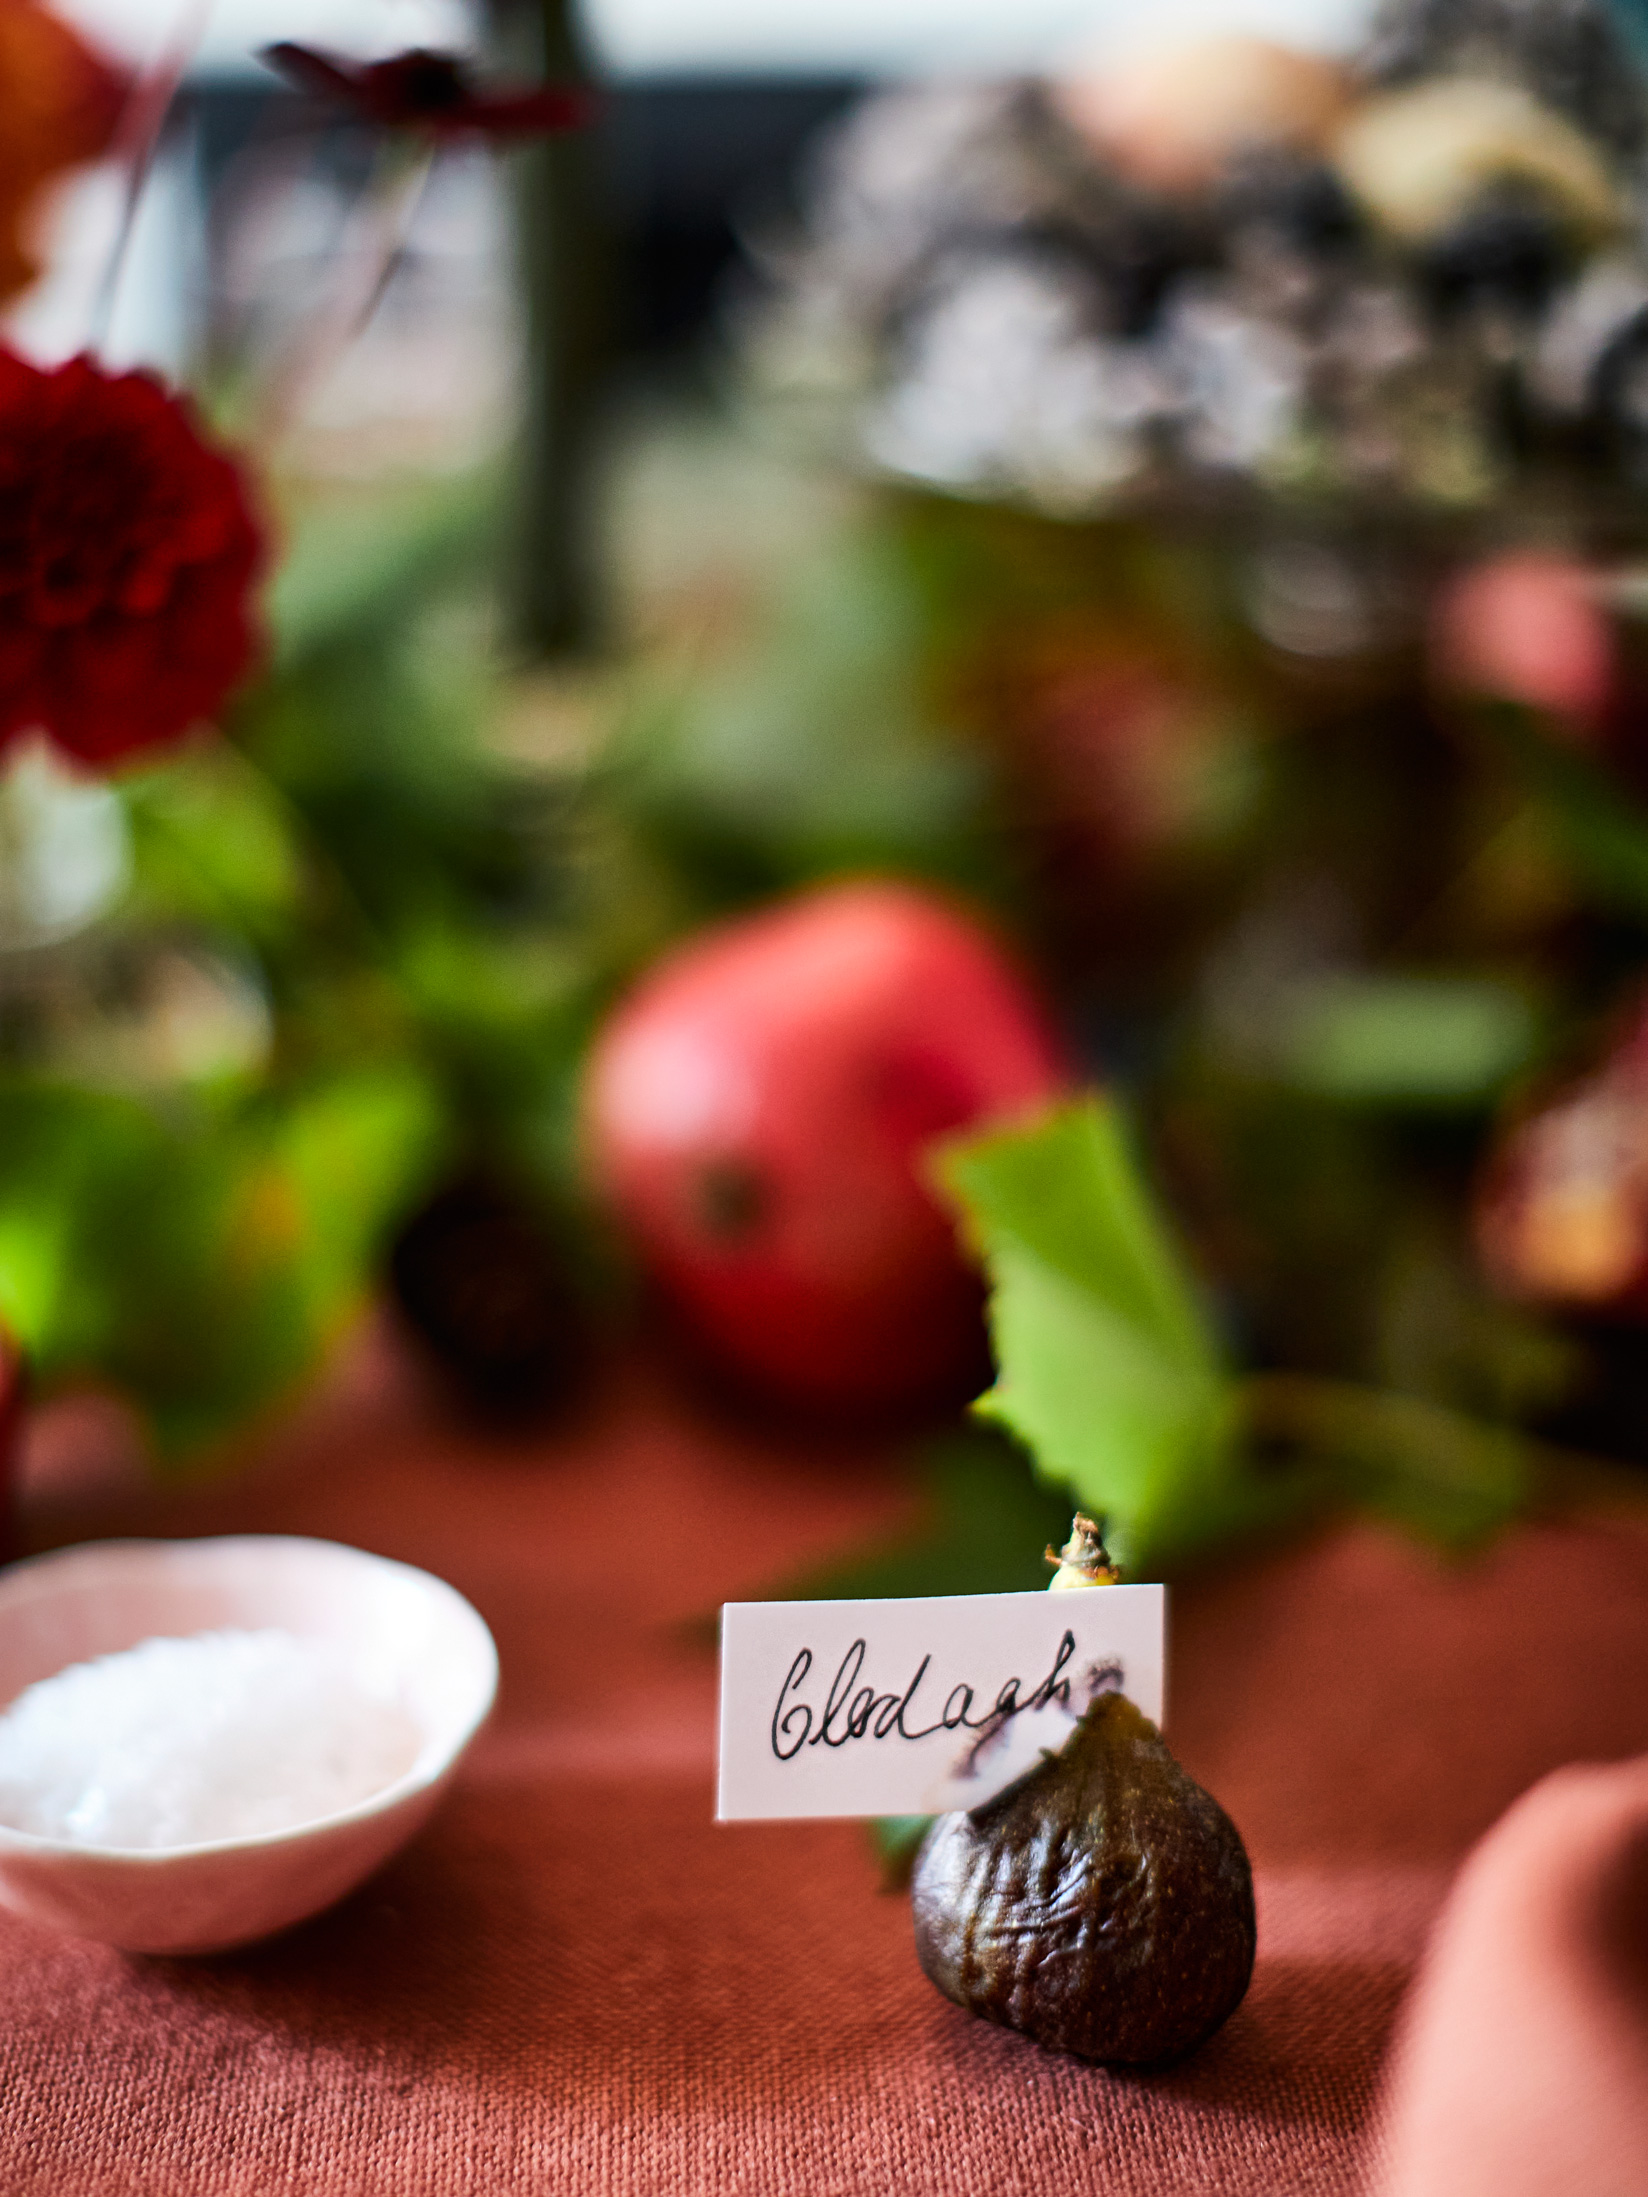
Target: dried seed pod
1103 1904
1418 159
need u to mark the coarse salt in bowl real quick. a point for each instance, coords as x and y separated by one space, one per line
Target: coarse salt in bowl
285 1613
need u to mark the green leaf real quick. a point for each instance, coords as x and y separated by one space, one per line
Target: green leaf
215 843
1108 1371
65 1155
1602 830
1420 1041
1111 1378
1066 1191
353 1153
203 1260
34 1266
236 1262
896 1841
353 567
818 749
1438 1473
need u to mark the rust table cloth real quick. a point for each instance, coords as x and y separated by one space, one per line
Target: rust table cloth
575 1981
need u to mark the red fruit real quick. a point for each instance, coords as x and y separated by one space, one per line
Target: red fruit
1527 627
758 1109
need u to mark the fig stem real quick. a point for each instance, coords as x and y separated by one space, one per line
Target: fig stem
1084 1561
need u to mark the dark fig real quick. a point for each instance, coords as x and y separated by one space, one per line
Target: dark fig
1102 1904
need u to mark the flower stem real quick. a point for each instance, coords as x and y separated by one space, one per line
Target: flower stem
564 256
372 248
142 125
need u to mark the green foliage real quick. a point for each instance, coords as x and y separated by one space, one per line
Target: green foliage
215 845
353 570
203 1261
1601 830
201 1247
817 750
1108 1372
1437 1473
895 1842
437 928
1426 1041
1111 1377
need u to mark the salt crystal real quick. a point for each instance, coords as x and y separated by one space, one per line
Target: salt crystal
175 1742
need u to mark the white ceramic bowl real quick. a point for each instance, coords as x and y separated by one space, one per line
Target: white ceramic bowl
400 1629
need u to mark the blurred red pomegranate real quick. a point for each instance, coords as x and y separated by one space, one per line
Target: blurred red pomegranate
757 1111
1562 1216
1528 627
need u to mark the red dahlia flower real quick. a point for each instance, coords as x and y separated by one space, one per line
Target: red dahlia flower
127 556
428 91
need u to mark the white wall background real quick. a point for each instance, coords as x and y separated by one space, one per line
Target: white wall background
912 36
646 36
235 29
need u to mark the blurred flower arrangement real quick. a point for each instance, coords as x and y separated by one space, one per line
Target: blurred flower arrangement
1413 279
244 951
1265 430
297 973
1242 616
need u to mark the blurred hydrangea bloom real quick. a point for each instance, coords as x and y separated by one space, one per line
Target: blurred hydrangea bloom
1420 276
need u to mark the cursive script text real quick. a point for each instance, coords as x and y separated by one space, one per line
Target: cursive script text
853 1710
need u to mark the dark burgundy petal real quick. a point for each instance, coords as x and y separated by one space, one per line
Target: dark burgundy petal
557 107
312 71
433 92
128 550
419 87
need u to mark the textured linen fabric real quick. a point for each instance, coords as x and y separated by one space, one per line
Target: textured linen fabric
575 1981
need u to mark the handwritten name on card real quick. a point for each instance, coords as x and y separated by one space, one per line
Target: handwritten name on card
916 1706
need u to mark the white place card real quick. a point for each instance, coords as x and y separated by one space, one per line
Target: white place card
915 1706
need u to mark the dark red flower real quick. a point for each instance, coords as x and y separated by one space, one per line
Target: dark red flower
127 556
428 91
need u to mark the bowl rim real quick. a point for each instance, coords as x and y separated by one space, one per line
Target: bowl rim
427 1770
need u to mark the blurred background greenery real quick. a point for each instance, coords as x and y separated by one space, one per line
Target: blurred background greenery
1330 928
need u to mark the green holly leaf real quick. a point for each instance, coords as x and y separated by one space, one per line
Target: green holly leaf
1109 1372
